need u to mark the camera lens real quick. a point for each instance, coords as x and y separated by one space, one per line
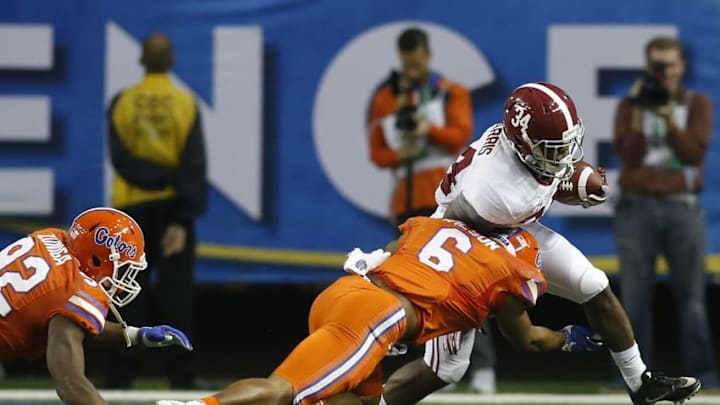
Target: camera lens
405 118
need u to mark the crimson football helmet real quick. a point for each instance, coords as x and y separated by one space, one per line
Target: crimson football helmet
544 128
110 247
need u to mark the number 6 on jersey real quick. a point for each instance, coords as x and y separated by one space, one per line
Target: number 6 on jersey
437 256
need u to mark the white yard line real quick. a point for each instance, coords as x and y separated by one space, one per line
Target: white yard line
441 398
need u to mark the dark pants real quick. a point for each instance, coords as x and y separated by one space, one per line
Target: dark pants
169 301
483 355
644 229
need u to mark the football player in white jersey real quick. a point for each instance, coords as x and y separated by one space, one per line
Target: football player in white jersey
505 180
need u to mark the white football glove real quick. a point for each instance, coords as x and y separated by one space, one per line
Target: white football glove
594 199
398 349
360 263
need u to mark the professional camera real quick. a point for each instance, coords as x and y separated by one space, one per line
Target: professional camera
406 118
653 92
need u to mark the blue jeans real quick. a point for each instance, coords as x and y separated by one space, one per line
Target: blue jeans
644 229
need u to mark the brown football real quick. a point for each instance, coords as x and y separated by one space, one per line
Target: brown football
585 180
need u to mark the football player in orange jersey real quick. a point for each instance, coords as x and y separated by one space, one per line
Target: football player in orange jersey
56 288
444 277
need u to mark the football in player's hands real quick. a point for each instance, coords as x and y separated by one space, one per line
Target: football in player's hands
587 186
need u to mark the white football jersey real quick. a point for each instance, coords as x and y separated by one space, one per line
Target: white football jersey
495 182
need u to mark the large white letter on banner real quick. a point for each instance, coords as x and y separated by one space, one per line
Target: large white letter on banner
26 118
576 53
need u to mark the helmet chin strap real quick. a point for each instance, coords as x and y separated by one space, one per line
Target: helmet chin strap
122 322
114 257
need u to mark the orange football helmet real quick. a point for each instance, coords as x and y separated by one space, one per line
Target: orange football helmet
522 244
110 247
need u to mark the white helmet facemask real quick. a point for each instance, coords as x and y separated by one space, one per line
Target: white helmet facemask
556 158
122 287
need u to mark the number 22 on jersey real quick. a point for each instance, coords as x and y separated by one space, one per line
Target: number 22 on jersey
14 270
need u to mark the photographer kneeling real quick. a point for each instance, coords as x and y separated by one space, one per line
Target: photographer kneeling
662 132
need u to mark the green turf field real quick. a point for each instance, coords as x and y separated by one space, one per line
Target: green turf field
562 387
39 391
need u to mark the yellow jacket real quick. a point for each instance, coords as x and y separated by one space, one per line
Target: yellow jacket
157 148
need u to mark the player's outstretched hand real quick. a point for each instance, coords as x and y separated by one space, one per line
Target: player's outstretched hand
361 263
580 339
162 335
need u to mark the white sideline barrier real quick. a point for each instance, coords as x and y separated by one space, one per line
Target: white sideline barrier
441 398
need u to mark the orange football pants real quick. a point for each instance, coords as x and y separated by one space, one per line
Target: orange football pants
352 325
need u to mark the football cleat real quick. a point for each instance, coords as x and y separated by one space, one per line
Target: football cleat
659 387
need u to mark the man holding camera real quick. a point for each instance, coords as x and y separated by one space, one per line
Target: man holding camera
418 122
662 132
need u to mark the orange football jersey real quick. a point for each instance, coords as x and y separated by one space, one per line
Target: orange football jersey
39 279
455 277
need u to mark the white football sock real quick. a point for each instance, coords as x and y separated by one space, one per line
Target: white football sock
631 366
483 380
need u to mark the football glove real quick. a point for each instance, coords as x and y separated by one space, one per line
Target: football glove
160 336
580 339
594 199
397 349
359 262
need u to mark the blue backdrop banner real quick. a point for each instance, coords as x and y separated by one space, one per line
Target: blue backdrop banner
284 87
